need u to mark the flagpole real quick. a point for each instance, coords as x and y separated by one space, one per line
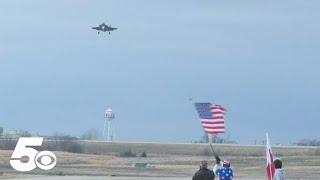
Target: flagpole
210 143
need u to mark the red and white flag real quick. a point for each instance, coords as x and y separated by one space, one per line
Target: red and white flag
270 158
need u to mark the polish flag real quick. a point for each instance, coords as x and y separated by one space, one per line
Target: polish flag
269 157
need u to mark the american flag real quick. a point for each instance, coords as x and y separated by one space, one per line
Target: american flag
211 117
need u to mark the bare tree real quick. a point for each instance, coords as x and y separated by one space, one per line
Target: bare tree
91 134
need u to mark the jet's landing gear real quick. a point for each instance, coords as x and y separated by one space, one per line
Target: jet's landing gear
98 32
109 32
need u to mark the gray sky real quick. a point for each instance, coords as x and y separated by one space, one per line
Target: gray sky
258 59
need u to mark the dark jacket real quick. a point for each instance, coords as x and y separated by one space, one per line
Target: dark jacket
203 174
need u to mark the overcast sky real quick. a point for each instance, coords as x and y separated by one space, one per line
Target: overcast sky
258 59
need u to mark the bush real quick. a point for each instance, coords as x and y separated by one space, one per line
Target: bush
60 173
73 147
64 145
308 142
127 153
62 142
8 143
143 154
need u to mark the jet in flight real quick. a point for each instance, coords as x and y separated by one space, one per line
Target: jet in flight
103 27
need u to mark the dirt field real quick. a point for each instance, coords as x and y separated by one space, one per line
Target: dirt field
108 178
248 163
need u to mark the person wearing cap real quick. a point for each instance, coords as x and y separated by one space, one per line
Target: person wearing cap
279 173
204 173
225 173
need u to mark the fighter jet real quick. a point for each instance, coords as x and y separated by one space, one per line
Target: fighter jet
103 27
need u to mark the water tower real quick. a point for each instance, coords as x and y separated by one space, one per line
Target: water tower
108 133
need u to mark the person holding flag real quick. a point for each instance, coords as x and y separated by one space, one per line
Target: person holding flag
212 120
218 164
274 167
279 173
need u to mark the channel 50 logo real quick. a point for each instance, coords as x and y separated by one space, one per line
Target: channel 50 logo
44 160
